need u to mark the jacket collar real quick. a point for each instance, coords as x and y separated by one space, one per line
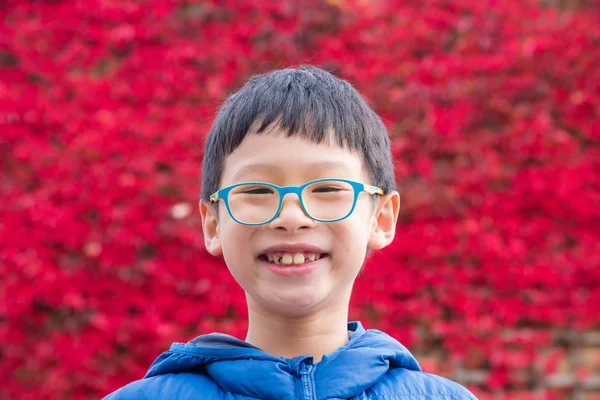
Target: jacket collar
239 367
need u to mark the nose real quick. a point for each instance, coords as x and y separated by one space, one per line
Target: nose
291 216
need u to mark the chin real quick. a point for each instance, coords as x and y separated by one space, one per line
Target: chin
293 301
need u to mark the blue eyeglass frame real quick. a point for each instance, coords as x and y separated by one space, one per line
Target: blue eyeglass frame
223 194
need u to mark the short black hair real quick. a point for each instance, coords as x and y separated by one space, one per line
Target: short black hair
306 101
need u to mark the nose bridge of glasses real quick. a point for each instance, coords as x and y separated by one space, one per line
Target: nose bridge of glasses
283 191
295 191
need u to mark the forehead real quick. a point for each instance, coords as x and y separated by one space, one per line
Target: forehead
289 160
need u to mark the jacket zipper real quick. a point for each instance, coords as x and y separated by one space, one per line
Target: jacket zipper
307 381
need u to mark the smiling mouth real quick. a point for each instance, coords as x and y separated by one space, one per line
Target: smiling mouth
291 259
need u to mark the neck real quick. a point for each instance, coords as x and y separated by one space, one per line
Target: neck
314 335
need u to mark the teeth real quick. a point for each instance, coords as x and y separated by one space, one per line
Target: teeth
298 258
291 258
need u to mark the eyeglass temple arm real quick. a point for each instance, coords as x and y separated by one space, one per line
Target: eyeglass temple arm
373 190
214 197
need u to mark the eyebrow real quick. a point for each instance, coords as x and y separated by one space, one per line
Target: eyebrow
262 168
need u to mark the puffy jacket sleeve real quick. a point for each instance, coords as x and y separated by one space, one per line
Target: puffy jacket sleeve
131 391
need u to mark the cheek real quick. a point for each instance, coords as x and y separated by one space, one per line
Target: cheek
353 235
234 241
362 219
237 253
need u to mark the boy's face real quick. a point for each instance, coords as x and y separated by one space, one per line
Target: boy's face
284 161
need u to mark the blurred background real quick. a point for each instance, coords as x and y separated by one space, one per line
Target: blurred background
493 279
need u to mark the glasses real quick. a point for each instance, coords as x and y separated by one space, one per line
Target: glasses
323 200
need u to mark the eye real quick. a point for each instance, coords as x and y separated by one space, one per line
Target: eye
258 190
327 189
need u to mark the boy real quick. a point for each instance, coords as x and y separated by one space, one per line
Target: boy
297 187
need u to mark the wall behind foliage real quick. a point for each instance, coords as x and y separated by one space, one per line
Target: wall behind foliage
494 108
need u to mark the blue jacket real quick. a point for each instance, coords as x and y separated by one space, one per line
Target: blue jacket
372 365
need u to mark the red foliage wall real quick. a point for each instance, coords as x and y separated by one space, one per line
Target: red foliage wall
494 109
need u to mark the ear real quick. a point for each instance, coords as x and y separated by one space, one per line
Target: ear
210 228
383 228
